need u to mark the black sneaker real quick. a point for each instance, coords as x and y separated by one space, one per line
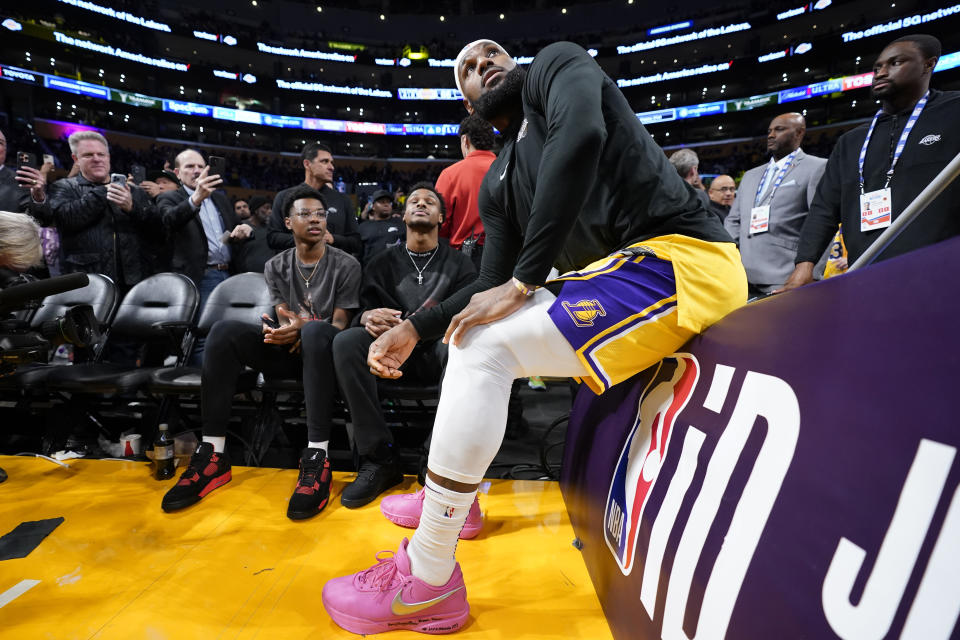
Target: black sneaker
313 485
207 471
373 479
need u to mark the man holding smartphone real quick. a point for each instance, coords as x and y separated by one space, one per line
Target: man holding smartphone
102 223
202 226
22 190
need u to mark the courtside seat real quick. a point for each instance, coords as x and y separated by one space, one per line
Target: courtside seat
100 293
159 309
242 297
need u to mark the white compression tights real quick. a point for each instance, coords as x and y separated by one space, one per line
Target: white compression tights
472 414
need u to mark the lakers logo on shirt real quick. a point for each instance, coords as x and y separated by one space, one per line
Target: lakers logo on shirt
583 312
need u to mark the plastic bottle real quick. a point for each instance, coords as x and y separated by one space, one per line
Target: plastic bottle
163 453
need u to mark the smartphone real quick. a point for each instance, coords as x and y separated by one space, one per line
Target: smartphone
25 159
118 179
218 167
270 322
139 173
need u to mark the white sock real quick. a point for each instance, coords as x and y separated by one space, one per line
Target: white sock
432 548
319 445
218 442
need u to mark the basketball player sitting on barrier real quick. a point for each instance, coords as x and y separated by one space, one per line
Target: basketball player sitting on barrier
397 282
314 288
579 185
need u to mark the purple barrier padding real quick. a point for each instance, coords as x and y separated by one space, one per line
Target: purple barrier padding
794 473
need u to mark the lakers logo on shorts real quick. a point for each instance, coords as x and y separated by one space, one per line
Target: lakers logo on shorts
584 312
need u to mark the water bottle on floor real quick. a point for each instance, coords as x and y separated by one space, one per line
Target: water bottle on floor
163 453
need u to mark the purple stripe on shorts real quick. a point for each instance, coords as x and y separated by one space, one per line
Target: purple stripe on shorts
585 308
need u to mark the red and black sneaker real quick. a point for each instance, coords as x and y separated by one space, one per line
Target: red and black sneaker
207 471
313 485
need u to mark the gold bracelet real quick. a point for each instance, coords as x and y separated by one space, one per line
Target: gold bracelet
524 289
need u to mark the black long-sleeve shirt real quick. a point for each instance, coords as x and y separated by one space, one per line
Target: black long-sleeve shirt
390 279
341 222
930 147
579 178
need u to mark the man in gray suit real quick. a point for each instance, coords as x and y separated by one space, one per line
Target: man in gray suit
771 205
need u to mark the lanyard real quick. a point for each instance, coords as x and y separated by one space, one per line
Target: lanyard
900 144
776 183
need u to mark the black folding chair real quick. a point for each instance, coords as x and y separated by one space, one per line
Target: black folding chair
242 297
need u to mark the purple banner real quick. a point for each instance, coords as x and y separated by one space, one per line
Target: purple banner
791 474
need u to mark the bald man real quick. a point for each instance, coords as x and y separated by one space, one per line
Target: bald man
772 204
202 226
721 193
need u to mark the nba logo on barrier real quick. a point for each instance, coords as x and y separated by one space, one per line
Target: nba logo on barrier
644 452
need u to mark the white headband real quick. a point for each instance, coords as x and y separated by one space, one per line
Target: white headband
456 63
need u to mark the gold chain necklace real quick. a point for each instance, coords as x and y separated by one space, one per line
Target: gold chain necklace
306 279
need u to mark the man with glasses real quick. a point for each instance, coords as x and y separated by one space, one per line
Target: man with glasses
772 204
315 288
722 190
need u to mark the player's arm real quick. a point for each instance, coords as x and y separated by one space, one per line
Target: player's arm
499 255
565 85
820 225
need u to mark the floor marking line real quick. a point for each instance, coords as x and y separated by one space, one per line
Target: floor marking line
16 591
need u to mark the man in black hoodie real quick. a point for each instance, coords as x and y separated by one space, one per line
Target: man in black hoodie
906 145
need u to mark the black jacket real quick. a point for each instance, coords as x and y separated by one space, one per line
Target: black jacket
185 230
577 179
932 144
96 236
341 222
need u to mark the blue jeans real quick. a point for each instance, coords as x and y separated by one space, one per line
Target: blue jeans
211 278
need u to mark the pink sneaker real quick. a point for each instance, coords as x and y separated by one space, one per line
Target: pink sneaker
405 510
387 597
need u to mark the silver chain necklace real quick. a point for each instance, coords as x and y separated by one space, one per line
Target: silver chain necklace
419 270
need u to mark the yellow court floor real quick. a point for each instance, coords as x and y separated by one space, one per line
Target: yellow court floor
233 566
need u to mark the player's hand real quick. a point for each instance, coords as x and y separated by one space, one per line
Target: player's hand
802 275
379 320
32 179
119 194
484 307
391 350
289 331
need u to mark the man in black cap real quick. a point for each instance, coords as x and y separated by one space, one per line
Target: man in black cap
253 254
381 230
158 182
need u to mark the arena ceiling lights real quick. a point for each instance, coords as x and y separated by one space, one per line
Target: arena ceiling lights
710 32
807 8
116 52
674 75
119 15
836 85
309 54
902 23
